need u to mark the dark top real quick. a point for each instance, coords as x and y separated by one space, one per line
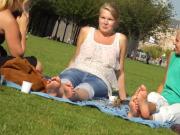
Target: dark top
2 38
2 50
32 60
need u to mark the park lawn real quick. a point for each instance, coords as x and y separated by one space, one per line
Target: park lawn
24 114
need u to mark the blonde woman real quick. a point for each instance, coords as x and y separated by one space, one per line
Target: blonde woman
13 29
99 52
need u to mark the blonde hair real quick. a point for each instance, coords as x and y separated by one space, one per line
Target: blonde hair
4 4
112 8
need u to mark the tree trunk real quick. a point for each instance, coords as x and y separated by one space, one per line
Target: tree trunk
51 25
67 23
76 34
73 33
132 45
44 26
55 36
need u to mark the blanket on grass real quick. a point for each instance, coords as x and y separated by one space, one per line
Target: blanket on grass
102 104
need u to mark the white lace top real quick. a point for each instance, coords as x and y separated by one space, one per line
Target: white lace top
99 59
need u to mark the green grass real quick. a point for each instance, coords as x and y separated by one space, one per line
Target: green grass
23 114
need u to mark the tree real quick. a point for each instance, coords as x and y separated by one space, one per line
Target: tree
141 18
78 12
41 14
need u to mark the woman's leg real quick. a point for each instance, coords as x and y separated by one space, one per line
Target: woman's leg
91 86
85 85
34 62
134 103
169 113
70 78
134 108
53 85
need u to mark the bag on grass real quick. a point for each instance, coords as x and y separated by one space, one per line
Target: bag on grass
18 70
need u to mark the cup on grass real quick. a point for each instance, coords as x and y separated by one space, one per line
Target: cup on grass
26 87
112 99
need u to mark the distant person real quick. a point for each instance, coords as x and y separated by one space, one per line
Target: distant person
165 105
99 53
148 57
160 61
133 55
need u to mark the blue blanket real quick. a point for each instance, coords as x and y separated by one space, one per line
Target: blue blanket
103 105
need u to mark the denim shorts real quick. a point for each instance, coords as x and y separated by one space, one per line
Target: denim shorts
81 79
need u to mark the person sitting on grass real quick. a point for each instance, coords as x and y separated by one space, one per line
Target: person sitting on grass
14 19
90 72
162 106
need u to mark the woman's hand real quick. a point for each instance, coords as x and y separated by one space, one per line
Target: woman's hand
23 21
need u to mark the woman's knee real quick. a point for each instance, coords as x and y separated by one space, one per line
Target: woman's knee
80 94
39 67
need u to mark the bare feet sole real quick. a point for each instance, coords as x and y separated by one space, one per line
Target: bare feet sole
67 90
52 88
142 102
143 91
134 109
134 105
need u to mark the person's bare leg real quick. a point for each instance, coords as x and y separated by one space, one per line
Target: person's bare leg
39 67
143 103
66 90
133 104
53 86
143 91
134 112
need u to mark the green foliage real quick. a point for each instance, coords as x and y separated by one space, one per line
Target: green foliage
139 18
24 114
168 52
154 51
78 11
46 7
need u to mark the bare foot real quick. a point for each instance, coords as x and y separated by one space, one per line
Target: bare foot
66 90
142 102
142 92
133 104
53 86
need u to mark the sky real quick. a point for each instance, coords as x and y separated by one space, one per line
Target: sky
176 4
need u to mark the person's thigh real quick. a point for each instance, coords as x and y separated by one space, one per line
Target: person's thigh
98 85
73 75
157 99
169 113
175 111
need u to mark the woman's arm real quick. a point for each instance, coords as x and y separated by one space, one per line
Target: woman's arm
23 22
12 33
121 78
160 87
82 36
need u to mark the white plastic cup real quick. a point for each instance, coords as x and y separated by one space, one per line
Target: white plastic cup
112 99
26 87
